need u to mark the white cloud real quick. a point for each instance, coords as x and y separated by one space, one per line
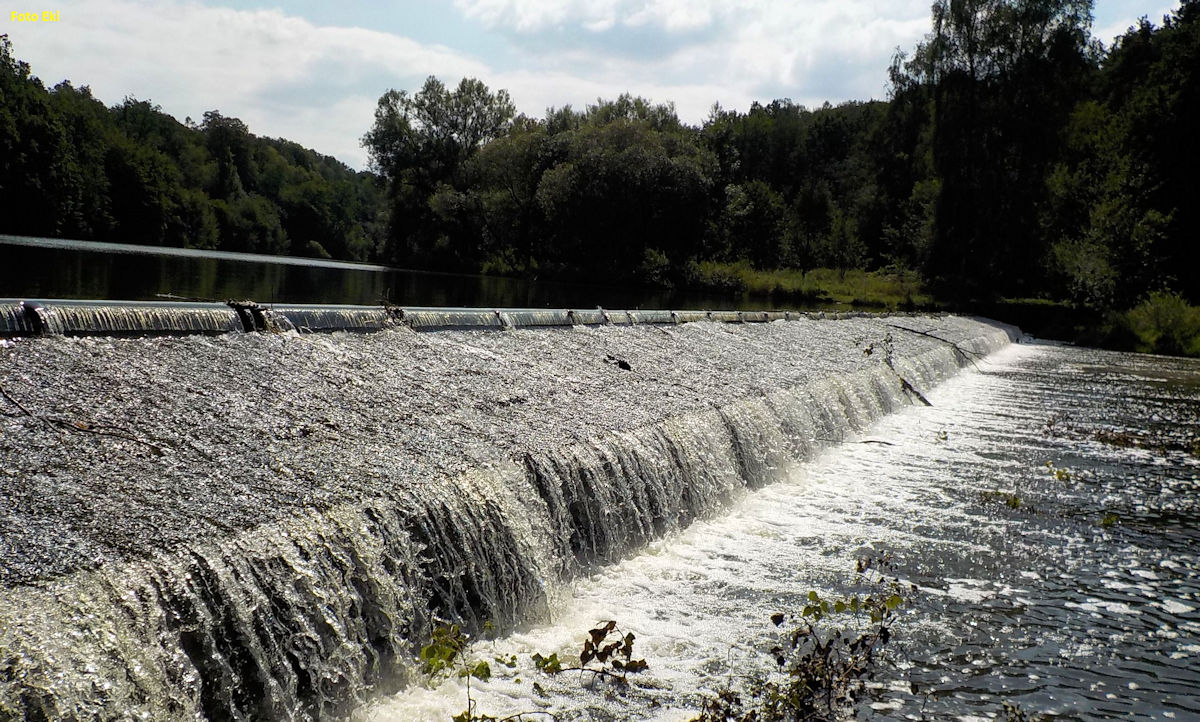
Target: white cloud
1120 15
748 47
285 76
281 74
531 16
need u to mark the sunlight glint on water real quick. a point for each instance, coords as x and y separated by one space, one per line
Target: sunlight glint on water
1043 605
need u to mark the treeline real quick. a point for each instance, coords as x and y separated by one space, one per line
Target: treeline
71 167
1017 157
625 189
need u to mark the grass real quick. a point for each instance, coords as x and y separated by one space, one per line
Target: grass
820 286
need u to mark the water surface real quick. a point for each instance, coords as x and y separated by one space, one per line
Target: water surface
1080 599
60 268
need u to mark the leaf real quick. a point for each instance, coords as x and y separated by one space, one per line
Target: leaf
599 633
482 672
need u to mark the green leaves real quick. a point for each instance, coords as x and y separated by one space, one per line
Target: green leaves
549 665
823 668
443 650
480 671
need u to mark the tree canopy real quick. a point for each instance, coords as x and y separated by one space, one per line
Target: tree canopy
71 167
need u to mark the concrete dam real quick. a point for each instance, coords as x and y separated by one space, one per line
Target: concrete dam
197 521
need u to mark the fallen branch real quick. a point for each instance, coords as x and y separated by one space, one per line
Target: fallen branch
80 426
905 385
16 403
965 353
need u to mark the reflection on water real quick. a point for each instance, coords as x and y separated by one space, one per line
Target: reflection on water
1082 602
55 268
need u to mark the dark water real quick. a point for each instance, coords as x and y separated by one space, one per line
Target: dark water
54 268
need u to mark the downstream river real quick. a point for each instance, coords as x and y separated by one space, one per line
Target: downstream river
1046 506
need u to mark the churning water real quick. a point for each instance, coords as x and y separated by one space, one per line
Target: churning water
266 525
1070 589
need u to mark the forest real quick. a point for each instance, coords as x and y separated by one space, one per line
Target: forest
1018 166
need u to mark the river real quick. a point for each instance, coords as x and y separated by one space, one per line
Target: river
41 268
1046 506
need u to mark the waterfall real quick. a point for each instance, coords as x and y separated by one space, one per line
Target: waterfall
71 318
303 612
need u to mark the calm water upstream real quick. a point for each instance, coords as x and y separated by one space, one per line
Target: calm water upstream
1074 594
58 268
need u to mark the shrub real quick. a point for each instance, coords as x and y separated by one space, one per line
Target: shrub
1166 324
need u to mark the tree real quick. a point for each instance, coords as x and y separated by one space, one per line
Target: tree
1004 76
506 173
632 188
228 142
35 154
757 225
420 141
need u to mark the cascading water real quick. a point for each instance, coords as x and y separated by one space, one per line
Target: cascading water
264 525
1068 590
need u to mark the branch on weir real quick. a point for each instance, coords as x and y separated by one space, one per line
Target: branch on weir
962 352
890 362
79 427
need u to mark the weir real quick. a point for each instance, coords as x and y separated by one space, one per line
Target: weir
266 525
67 317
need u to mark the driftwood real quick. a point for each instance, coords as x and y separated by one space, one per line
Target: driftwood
79 427
904 384
964 353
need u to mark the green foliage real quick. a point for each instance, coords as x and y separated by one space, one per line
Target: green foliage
71 167
607 654
1010 499
444 651
826 660
1058 473
420 144
1166 324
885 288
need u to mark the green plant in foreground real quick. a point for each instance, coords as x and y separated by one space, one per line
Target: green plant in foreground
607 654
1057 472
824 668
446 654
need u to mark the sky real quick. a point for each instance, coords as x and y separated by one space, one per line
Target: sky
312 71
